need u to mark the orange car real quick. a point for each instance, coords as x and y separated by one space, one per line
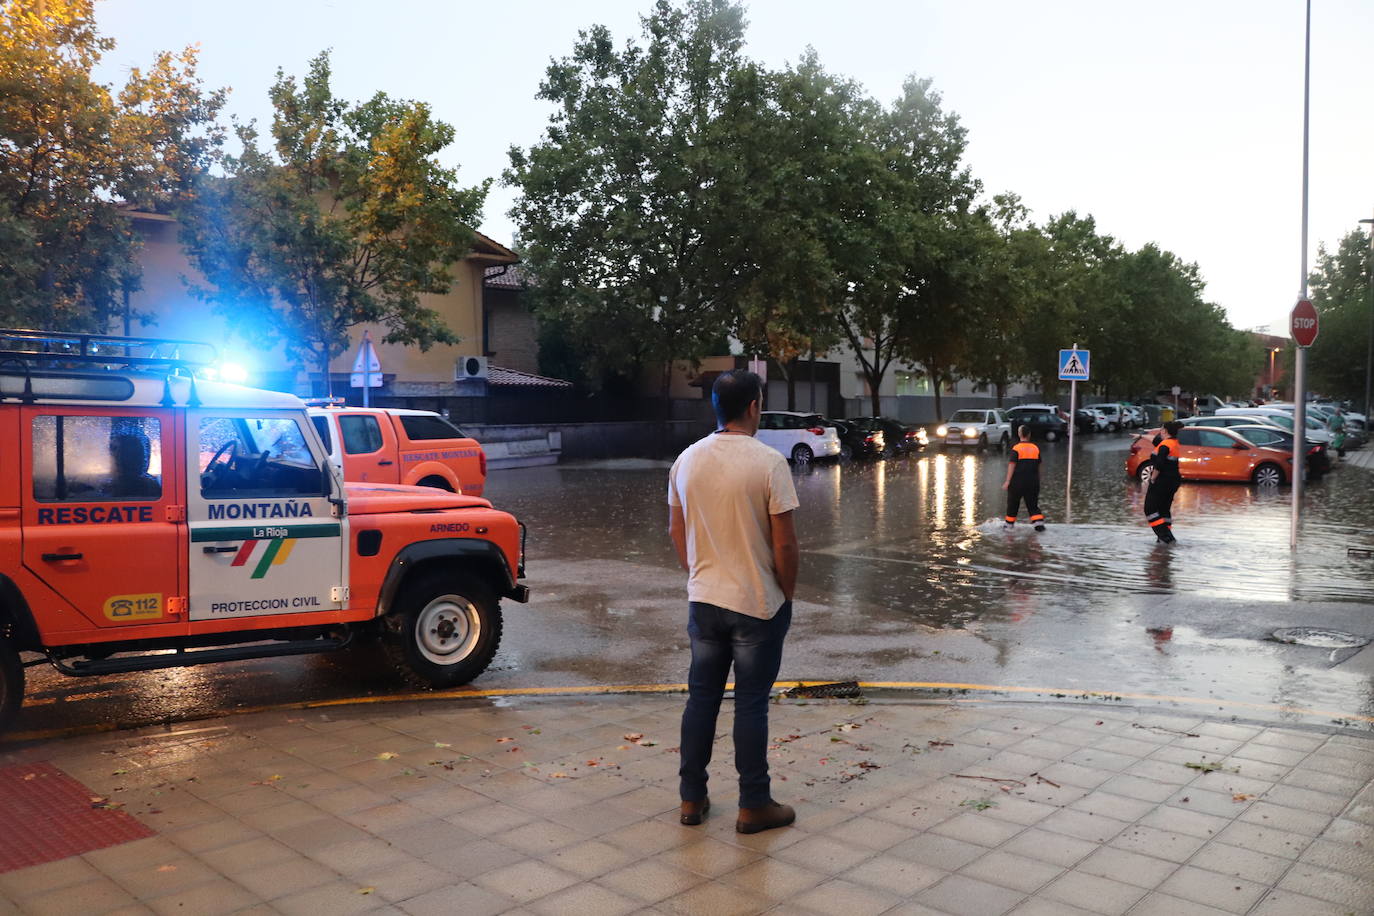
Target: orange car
1207 453
393 445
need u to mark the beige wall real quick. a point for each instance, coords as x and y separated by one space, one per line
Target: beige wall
177 313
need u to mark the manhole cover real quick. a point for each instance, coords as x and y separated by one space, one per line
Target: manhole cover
1320 639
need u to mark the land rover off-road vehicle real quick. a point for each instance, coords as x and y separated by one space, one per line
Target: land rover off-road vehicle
150 518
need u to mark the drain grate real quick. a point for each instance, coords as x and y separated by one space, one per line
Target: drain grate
1320 639
840 690
45 815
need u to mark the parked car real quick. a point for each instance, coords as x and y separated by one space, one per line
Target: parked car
1116 416
979 426
392 445
859 439
1318 460
1212 453
1043 419
1283 418
800 437
1227 422
1138 415
901 439
1087 420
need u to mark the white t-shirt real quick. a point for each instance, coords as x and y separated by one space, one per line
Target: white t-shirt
728 485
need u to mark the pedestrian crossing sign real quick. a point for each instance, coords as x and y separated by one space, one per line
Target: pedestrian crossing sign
1073 365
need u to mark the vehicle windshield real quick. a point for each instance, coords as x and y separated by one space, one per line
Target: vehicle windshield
968 416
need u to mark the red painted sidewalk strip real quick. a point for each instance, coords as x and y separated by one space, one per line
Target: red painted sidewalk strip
45 815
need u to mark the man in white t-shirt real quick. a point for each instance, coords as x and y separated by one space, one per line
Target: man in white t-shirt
730 501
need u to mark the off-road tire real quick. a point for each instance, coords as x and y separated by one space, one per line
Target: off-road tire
1005 442
982 441
802 455
444 630
11 684
435 481
1268 475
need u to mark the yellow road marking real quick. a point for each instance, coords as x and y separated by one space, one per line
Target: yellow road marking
1057 693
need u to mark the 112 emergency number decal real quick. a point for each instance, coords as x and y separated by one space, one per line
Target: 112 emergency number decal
133 607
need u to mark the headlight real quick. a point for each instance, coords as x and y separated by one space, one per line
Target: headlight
921 435
941 430
970 433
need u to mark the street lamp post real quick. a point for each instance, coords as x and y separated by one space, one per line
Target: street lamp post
1369 355
1273 351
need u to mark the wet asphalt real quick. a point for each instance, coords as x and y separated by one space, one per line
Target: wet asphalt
906 577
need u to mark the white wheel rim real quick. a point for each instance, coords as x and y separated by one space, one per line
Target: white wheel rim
1268 477
447 630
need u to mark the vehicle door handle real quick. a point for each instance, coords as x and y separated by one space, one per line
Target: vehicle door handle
59 557
386 461
220 549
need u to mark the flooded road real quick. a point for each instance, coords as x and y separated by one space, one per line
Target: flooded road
907 576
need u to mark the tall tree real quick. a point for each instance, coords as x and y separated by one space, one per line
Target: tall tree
797 210
1341 291
73 151
345 219
903 276
622 214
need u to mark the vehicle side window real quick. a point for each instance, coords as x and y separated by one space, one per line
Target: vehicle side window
419 427
360 434
256 456
1210 438
322 427
1262 436
1189 435
96 459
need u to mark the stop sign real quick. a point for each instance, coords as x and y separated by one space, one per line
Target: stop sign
1302 324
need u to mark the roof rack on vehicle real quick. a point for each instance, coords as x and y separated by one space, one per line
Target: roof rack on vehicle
27 345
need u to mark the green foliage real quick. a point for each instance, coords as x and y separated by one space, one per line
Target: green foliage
73 151
623 214
346 218
1341 292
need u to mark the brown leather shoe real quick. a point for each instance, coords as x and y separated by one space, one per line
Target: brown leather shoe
757 820
693 812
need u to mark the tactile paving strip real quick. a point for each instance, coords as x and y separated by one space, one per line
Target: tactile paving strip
45 815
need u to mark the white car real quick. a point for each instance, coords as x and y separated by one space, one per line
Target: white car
1117 417
1316 430
980 427
799 436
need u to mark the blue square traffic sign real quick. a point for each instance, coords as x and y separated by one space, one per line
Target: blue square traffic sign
1073 365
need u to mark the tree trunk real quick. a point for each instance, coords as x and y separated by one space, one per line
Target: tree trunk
326 385
666 409
1001 393
935 387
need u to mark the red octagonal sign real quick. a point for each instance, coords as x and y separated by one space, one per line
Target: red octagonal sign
1302 324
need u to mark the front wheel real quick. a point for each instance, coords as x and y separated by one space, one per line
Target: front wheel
444 631
1051 435
1004 442
1268 475
802 455
11 684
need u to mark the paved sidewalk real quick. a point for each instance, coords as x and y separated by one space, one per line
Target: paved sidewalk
568 805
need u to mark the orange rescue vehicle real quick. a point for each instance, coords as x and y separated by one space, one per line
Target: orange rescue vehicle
150 518
393 445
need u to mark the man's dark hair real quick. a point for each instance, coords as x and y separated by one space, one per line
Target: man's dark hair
733 392
1172 427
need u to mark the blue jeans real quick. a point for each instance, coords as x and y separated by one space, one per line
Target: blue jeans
721 638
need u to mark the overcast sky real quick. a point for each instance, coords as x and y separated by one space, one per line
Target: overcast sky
1174 121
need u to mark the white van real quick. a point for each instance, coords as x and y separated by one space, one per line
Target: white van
1316 431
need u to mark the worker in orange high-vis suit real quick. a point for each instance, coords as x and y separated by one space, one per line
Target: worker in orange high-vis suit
1164 482
1023 482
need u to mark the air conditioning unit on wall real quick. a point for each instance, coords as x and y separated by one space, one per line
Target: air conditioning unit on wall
469 368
